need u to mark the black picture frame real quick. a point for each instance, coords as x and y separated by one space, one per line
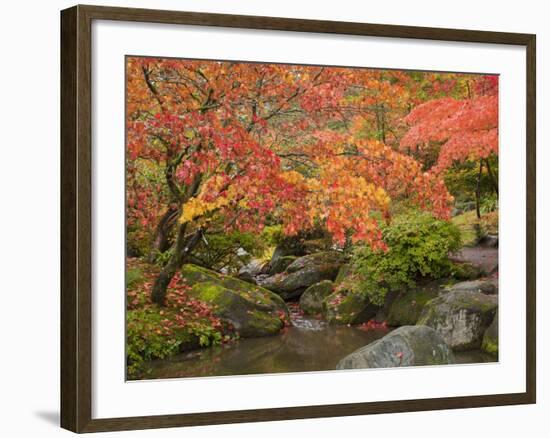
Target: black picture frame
76 218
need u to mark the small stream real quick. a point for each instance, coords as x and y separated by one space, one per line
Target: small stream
308 345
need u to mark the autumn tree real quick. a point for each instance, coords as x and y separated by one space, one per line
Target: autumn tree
467 128
238 143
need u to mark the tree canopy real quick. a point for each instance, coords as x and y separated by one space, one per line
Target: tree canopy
218 146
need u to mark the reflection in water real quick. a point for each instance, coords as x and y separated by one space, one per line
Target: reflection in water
308 345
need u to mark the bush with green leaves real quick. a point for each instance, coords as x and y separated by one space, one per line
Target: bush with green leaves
273 234
418 247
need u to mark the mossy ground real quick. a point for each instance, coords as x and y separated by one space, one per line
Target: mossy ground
472 228
154 332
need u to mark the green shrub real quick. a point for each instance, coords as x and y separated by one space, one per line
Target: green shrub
273 235
418 248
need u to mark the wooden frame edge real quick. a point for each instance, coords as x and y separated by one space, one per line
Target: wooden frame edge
76 225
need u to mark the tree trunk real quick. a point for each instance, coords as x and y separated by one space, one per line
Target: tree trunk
184 245
161 242
478 189
492 176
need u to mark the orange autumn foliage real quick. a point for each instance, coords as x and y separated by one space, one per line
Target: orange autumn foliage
246 142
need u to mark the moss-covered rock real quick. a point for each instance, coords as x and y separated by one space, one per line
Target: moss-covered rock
194 274
348 307
343 273
408 305
466 271
317 245
249 318
405 346
280 264
289 246
460 317
490 338
252 310
321 260
311 301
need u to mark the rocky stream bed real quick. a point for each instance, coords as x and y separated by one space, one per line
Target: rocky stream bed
292 316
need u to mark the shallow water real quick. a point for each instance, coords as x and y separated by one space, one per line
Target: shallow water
308 345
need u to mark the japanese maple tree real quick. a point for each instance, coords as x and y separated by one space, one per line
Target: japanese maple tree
467 128
245 142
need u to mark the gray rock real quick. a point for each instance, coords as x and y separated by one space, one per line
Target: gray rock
302 273
489 287
281 263
405 346
290 246
348 307
490 338
292 285
483 258
311 301
251 270
312 246
408 305
332 259
460 317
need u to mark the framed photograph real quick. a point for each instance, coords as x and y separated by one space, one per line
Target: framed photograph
270 218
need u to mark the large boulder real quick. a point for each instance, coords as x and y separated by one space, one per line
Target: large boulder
405 346
302 273
312 246
252 310
408 305
489 287
290 246
348 307
460 317
281 263
483 258
490 338
302 244
327 259
311 301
